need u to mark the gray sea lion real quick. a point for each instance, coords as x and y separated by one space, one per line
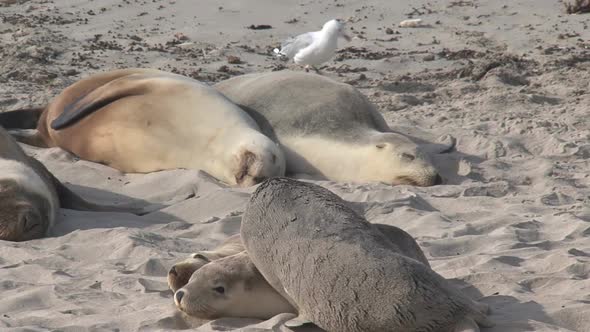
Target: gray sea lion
202 296
339 272
143 120
30 195
328 129
181 272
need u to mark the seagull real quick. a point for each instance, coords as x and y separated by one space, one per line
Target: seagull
313 48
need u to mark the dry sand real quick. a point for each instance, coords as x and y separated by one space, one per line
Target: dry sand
508 79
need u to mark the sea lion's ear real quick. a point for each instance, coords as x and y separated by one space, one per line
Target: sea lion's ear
297 322
202 255
380 145
408 156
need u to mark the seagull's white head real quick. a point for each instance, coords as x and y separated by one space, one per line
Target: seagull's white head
335 27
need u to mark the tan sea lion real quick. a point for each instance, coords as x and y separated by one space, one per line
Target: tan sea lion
202 296
143 120
328 129
230 287
30 195
339 272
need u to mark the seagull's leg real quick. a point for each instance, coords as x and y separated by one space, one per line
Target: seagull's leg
308 67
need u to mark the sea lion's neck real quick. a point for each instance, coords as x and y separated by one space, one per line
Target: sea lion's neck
324 156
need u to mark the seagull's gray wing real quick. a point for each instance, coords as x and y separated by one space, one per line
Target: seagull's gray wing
291 46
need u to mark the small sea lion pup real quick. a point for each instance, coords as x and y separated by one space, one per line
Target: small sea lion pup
230 287
181 272
328 129
339 272
143 120
227 286
30 195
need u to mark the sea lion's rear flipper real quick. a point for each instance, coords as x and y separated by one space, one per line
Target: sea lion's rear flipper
70 200
298 321
466 325
445 144
482 310
29 136
483 320
26 118
126 86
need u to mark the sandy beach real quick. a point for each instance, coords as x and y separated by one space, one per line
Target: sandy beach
509 80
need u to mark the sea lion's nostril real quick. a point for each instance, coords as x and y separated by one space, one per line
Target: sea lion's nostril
173 271
258 179
274 158
29 222
178 296
438 180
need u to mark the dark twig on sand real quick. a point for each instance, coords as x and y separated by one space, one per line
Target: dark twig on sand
259 27
578 7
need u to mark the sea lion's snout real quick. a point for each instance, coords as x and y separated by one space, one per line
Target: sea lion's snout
30 221
180 273
438 180
178 297
256 164
21 222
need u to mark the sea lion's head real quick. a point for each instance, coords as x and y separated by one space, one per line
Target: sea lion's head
395 160
257 159
336 27
23 215
181 272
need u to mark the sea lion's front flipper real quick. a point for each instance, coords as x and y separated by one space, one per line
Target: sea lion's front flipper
466 325
298 321
477 318
126 86
29 136
70 200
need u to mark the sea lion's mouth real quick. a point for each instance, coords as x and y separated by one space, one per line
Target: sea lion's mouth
258 179
32 228
438 180
407 181
198 310
249 180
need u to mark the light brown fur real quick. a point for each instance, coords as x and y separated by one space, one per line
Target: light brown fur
230 287
144 120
